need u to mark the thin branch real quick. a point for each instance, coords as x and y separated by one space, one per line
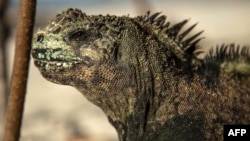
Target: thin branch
20 70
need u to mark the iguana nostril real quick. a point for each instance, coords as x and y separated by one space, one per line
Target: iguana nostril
40 38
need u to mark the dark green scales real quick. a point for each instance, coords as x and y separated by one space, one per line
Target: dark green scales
145 74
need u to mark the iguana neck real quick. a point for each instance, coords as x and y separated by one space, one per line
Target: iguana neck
156 59
154 68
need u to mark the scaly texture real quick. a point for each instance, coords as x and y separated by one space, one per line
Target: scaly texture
145 74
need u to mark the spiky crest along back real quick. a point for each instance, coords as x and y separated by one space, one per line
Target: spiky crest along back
226 58
159 24
229 59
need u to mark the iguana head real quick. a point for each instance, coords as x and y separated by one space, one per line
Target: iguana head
72 42
75 47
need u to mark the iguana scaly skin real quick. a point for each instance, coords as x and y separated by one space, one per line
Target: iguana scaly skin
145 74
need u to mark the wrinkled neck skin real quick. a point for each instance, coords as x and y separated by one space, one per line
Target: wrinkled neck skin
129 90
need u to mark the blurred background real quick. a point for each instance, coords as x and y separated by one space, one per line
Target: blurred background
60 113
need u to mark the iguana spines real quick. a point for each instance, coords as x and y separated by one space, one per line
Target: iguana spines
158 24
230 58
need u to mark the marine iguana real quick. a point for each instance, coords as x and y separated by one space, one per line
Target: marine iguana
145 74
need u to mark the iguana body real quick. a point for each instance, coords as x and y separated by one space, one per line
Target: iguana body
146 76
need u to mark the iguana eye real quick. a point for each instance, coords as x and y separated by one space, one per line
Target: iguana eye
78 36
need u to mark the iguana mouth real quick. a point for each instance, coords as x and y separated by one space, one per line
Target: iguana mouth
54 59
54 55
54 65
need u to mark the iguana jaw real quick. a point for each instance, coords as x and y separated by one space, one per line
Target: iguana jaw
55 59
